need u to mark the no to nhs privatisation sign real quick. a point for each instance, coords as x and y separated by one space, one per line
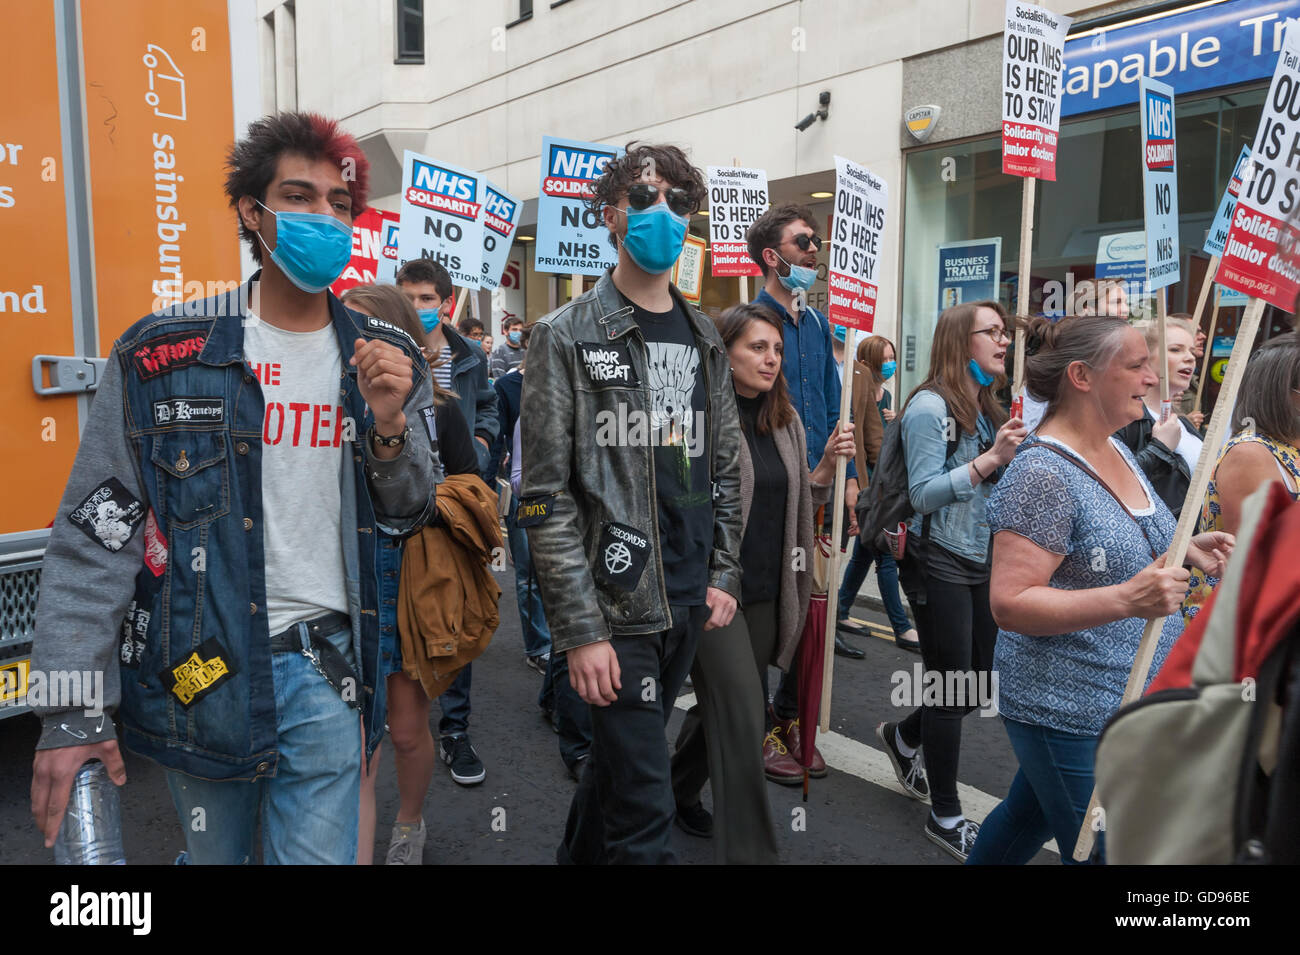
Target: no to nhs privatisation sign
570 237
500 216
1259 257
1218 234
1159 184
440 217
1211 45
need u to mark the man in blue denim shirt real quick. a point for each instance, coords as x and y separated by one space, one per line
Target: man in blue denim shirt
240 452
784 243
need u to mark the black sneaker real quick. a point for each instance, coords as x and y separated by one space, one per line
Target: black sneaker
910 770
695 820
459 755
539 662
957 841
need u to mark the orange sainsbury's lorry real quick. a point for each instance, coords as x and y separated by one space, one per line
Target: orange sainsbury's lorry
117 118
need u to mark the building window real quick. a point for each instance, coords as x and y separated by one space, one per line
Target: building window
410 31
525 13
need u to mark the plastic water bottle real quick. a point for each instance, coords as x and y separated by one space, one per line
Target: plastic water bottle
91 833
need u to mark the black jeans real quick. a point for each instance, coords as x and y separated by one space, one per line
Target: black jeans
957 633
572 714
622 812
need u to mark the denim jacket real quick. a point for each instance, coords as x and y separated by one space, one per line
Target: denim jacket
154 574
942 487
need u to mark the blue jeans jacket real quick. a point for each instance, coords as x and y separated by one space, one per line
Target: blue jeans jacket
941 486
170 601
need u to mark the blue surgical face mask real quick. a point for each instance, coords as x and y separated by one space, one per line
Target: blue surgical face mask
979 374
800 277
429 318
654 237
887 369
515 337
311 249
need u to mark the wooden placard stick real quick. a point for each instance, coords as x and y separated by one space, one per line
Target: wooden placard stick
837 526
1162 364
1209 344
462 297
1022 288
1177 552
575 285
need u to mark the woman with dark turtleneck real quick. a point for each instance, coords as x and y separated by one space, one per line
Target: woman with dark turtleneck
720 737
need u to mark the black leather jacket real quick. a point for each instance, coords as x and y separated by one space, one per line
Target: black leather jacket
584 361
1165 469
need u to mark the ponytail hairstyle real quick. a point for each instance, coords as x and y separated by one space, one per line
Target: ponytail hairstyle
949 366
775 410
1051 347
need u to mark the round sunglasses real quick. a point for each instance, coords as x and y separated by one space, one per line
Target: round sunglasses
643 195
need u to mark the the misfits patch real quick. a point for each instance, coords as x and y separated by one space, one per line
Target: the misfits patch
166 353
428 416
533 510
189 410
155 546
373 322
622 555
135 627
607 366
109 515
198 674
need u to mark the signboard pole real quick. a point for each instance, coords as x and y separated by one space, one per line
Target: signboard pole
1162 366
1209 345
575 285
837 527
1022 287
743 284
461 298
1177 552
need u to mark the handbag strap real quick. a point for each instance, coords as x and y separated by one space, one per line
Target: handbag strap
1106 487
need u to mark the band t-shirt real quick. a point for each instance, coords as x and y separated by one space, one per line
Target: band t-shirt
679 431
302 450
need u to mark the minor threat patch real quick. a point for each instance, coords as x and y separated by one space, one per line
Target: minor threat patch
198 674
608 365
189 410
166 353
622 555
109 515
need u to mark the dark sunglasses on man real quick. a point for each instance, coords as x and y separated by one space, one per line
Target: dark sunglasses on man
642 195
806 242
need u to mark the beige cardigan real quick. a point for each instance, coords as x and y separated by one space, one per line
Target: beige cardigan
801 495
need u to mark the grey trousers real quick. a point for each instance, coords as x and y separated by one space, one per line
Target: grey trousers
722 736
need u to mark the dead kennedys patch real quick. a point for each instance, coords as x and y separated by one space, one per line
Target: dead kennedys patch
622 555
189 410
108 515
198 674
607 366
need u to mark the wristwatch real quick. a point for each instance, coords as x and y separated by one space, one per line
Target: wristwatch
394 442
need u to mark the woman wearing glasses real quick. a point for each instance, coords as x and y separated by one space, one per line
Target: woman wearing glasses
956 439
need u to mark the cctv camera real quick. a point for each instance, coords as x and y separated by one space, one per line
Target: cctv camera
806 122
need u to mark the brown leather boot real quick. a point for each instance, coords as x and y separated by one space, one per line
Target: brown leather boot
793 739
778 765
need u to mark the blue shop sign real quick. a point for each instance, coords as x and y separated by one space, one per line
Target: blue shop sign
1208 46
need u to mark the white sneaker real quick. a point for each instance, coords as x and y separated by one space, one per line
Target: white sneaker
406 847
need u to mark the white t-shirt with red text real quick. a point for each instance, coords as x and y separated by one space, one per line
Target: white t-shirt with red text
302 451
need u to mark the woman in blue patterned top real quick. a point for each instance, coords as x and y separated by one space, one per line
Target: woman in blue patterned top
1079 537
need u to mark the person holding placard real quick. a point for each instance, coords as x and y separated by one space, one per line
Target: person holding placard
784 243
631 498
1265 447
1167 450
956 440
1079 536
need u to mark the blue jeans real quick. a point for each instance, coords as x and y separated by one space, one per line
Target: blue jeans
532 618
1048 797
886 578
455 705
309 808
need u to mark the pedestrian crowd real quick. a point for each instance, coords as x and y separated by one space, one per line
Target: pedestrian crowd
361 465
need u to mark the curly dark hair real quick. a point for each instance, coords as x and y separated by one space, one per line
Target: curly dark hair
252 161
667 161
426 271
